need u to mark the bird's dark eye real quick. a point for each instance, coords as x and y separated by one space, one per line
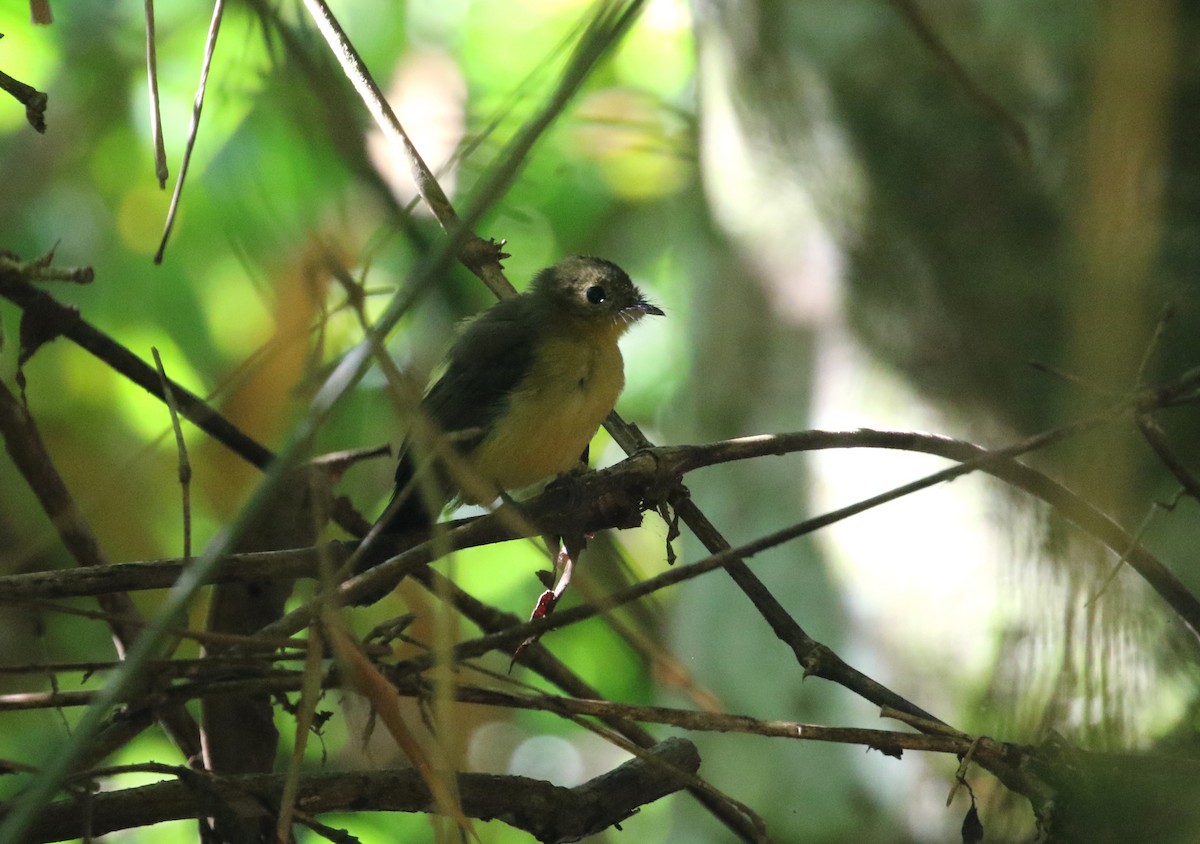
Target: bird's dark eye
595 294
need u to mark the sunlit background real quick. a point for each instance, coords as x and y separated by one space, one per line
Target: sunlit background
844 232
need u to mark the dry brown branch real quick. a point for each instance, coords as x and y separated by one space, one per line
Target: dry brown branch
658 468
612 497
548 812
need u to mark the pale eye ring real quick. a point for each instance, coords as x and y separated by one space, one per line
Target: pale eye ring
595 294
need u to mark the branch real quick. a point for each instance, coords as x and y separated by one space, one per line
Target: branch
156 135
343 377
157 574
34 100
480 256
62 320
612 498
210 46
208 682
916 20
1156 437
998 463
356 71
548 812
24 445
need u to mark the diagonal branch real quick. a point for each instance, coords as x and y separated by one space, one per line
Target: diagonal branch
380 109
66 321
920 25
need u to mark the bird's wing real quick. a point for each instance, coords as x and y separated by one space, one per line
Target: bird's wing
485 365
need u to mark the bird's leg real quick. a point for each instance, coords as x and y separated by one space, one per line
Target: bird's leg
568 550
556 583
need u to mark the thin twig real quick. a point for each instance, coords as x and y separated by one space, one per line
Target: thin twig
1160 330
43 268
475 252
174 667
310 696
1134 541
155 574
210 46
252 644
356 71
156 135
931 739
920 25
1157 439
185 466
960 776
603 33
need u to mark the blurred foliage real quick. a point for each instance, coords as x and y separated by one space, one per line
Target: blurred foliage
770 173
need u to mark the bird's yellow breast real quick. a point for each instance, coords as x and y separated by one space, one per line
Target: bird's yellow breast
554 411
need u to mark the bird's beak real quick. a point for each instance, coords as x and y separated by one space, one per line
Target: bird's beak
644 307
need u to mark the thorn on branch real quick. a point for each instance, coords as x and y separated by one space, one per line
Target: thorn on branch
814 660
483 258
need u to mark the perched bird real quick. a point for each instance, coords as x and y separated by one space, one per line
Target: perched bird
527 384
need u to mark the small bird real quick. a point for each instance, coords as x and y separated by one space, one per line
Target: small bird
526 387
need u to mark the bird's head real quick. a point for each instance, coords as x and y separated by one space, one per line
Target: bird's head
592 290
